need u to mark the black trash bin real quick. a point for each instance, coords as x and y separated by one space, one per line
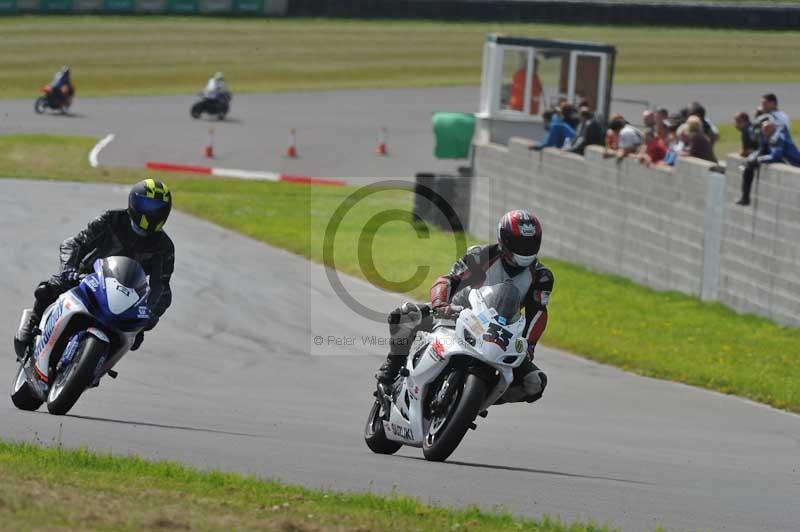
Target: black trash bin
442 200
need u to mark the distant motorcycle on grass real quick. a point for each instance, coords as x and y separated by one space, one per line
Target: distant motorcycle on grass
452 375
58 100
82 336
212 104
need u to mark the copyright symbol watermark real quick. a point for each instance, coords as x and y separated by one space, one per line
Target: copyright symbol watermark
318 340
362 216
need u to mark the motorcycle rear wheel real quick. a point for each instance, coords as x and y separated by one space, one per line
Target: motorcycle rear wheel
21 394
438 445
69 384
375 436
40 105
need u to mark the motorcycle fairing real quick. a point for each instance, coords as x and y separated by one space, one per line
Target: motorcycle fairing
97 297
406 420
54 321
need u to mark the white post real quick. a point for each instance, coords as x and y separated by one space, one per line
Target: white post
712 241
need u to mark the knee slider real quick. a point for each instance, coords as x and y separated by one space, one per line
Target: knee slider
534 382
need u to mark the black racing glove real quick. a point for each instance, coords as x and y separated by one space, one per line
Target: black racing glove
69 275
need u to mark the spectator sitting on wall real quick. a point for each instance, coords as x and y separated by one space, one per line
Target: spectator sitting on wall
629 139
698 144
662 115
680 141
558 132
588 133
749 135
612 137
649 120
769 104
570 115
779 147
710 130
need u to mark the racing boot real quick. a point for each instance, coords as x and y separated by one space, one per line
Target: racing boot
388 371
528 386
28 328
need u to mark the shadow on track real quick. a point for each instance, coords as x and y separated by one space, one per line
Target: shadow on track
160 426
529 470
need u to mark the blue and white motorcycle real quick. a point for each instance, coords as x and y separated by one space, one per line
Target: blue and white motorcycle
82 336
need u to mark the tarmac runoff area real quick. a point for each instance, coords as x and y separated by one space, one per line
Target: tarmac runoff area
233 379
337 132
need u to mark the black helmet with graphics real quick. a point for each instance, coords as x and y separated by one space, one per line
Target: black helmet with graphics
149 205
519 235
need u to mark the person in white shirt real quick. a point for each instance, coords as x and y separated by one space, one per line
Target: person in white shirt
630 138
216 85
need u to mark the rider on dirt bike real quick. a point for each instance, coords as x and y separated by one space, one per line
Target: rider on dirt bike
62 85
135 233
519 236
216 86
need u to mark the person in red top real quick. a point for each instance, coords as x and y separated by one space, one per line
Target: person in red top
655 146
517 102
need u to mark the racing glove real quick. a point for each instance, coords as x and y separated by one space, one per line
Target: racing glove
69 275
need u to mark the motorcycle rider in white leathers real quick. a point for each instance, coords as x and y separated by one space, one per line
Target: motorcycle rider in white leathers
514 256
215 86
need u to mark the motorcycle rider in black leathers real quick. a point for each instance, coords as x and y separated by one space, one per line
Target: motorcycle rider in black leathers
135 233
514 257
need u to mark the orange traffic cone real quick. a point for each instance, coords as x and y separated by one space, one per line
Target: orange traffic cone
291 149
210 145
381 149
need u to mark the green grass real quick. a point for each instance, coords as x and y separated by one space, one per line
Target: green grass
604 318
169 55
51 488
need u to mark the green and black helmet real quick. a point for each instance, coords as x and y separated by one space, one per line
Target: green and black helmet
149 204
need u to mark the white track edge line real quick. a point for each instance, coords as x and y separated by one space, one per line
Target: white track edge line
97 147
245 174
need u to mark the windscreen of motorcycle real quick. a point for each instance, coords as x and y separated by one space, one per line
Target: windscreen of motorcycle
126 283
504 298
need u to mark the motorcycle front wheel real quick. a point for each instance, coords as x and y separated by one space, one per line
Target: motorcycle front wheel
40 105
71 382
21 394
196 110
375 436
448 428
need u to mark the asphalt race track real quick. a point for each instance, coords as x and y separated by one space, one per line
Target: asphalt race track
232 379
336 131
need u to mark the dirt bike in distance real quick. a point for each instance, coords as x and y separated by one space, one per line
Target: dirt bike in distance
217 104
58 100
452 374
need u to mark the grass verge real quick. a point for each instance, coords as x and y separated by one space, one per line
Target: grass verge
134 55
51 488
605 318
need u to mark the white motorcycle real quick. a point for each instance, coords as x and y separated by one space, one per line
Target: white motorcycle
459 371
82 336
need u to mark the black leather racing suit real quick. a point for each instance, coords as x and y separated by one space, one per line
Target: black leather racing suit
110 234
483 265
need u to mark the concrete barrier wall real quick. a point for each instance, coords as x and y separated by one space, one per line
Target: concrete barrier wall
669 231
760 254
